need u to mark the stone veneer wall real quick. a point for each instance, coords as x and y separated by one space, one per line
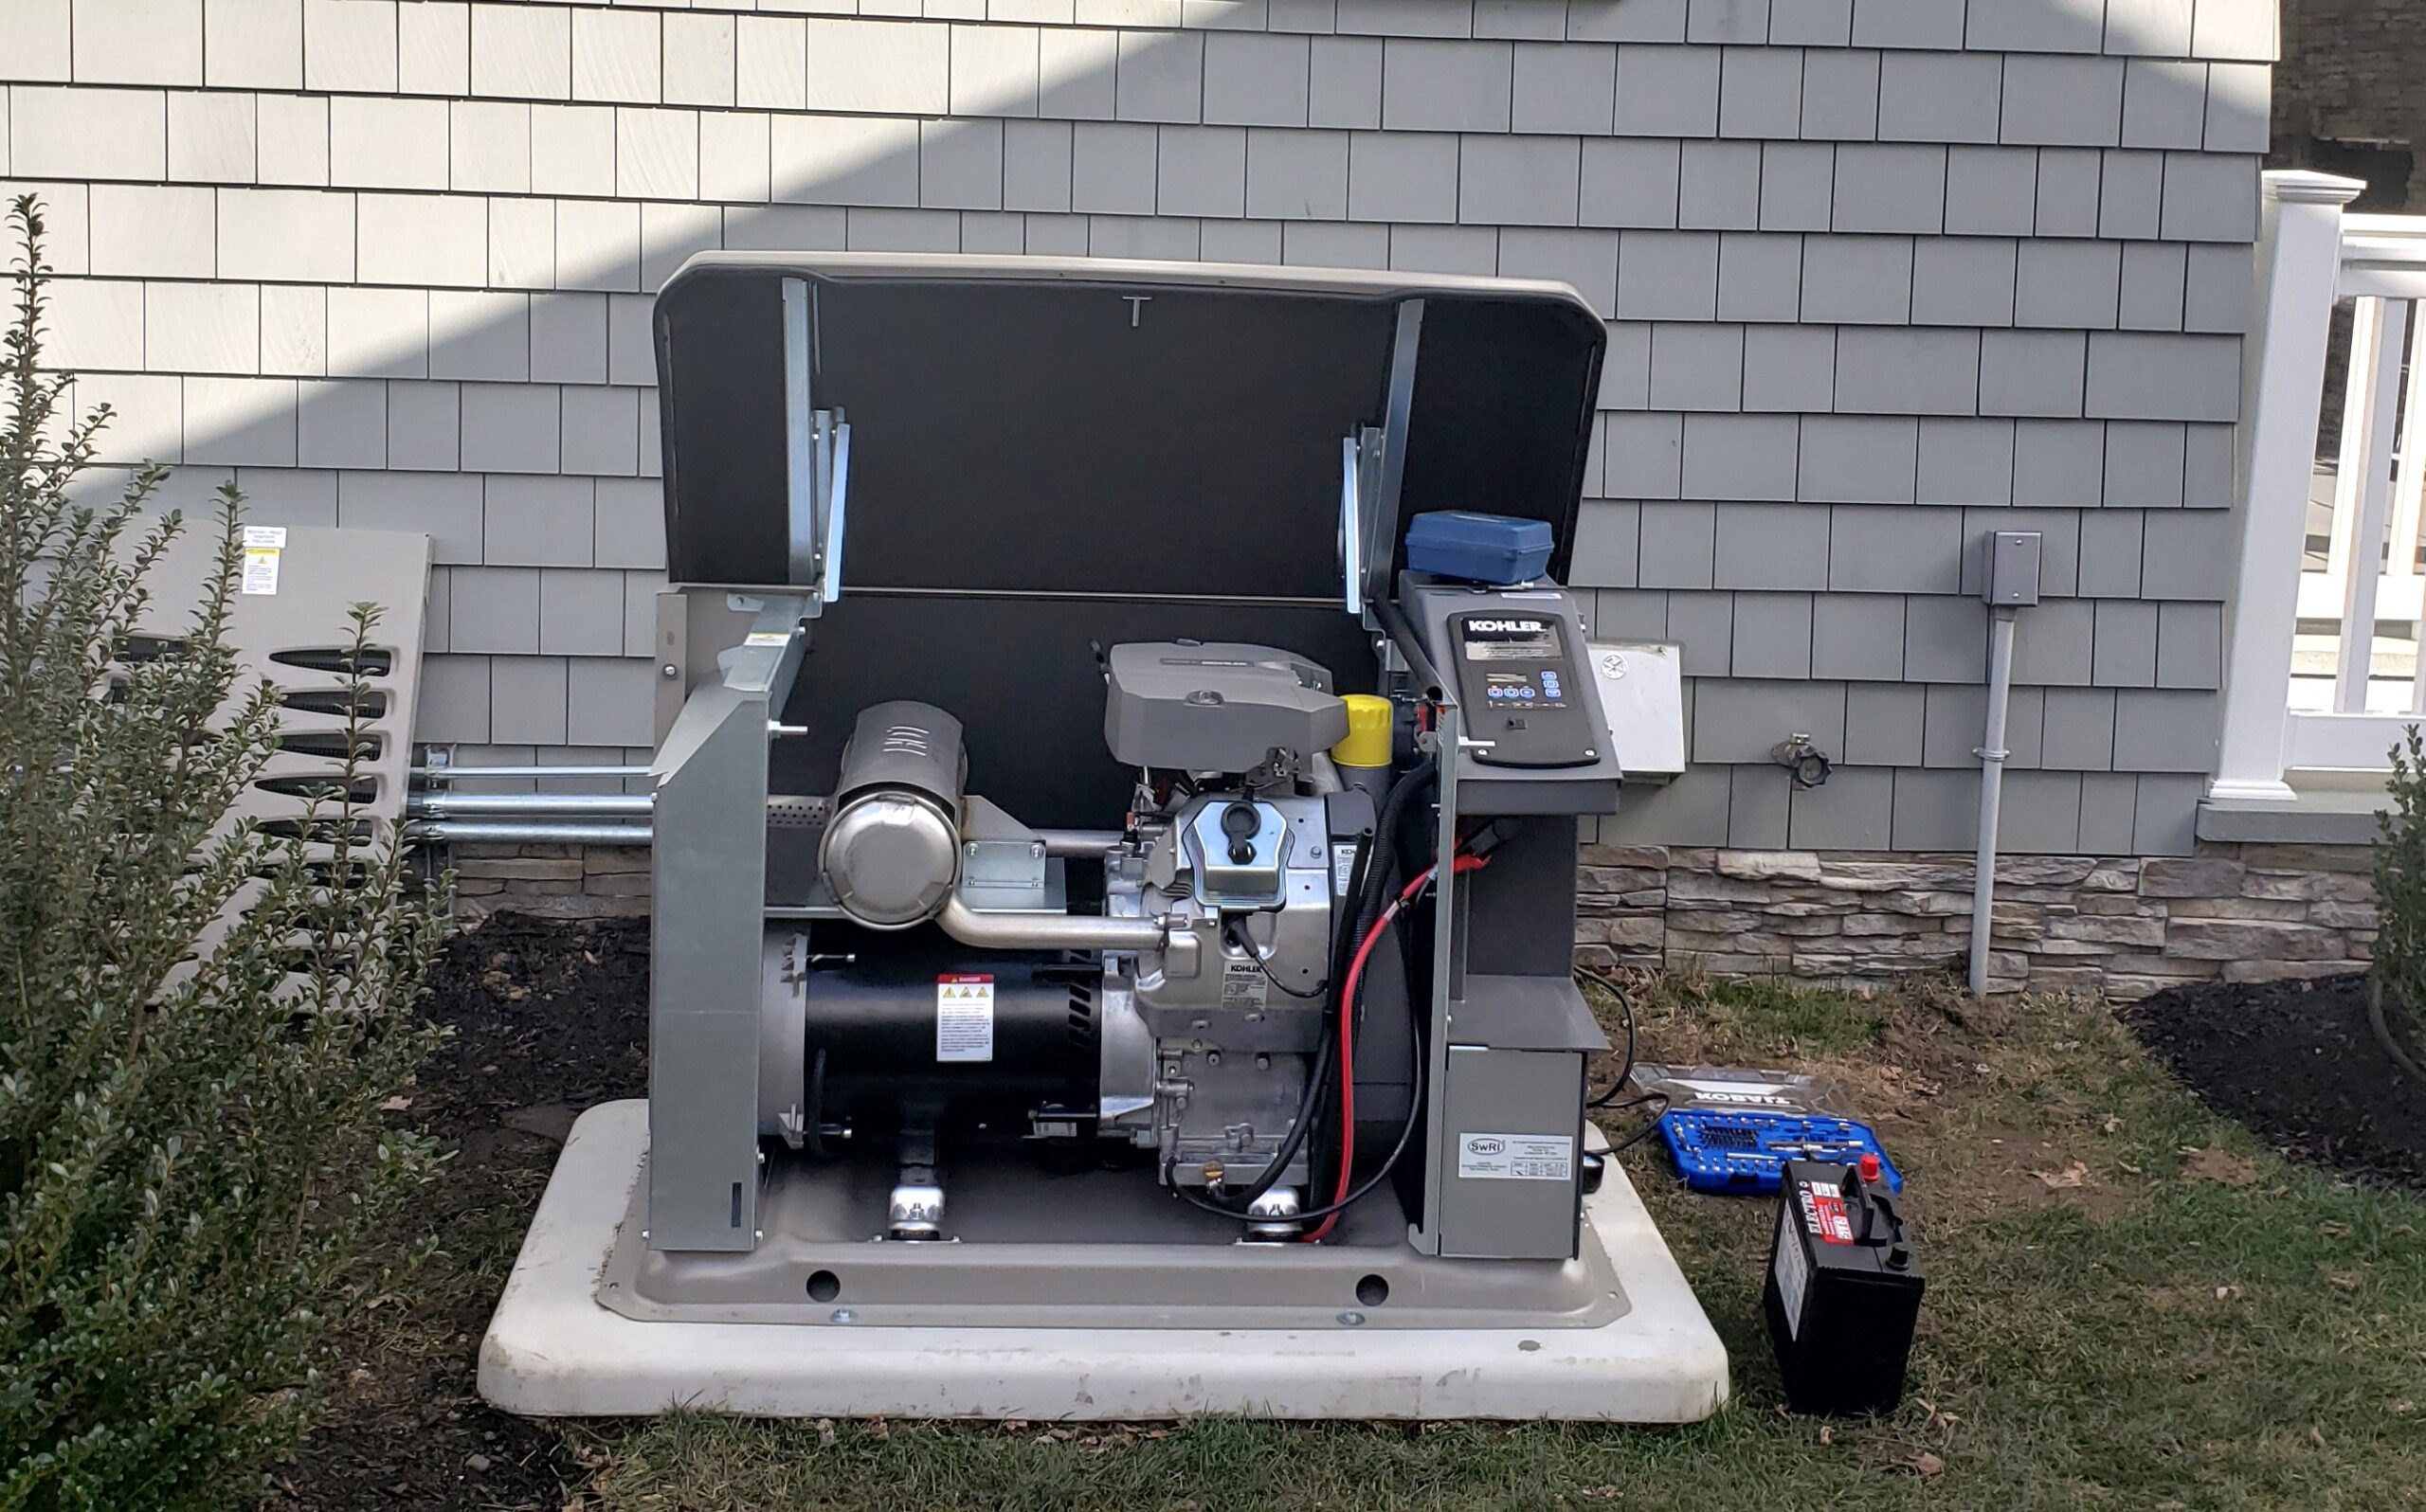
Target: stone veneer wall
2126 927
2123 927
555 881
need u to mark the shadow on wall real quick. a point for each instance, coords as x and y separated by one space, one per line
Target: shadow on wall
996 175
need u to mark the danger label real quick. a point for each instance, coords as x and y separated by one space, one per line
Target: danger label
1823 1209
1515 1157
964 1019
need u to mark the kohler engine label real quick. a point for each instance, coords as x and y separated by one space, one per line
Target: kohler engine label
1243 987
964 1019
1515 1157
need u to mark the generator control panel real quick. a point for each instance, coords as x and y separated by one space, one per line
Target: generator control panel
1524 690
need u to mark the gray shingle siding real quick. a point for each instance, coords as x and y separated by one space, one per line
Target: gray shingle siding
1882 275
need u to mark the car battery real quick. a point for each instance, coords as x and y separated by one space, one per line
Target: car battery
1843 1294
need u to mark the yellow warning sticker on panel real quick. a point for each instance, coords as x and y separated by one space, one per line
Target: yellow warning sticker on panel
263 546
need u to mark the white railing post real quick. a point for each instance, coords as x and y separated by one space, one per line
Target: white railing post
2283 388
2380 335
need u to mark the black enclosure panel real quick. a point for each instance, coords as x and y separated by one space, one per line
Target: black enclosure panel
720 400
1164 457
1505 396
1021 676
1021 433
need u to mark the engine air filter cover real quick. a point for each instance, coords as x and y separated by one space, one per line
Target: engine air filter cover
1216 706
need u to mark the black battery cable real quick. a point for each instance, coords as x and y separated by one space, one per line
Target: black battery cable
1610 1099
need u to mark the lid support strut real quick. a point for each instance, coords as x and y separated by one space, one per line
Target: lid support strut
1383 467
817 460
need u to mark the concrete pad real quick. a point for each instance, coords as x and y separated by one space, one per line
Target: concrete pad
553 1351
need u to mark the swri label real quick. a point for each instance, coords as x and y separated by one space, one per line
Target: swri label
1515 1157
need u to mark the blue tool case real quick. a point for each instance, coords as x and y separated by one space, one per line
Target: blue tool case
1744 1150
1471 548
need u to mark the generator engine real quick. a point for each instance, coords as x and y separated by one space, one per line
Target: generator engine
1184 1020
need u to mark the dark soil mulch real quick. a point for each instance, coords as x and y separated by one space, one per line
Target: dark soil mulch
2298 1063
549 1018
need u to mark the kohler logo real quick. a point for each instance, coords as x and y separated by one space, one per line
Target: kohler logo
1524 627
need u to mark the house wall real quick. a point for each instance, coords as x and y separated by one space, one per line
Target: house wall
1881 276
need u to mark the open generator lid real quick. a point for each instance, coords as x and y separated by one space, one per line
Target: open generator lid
1055 426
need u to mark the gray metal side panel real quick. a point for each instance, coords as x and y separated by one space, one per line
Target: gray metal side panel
1524 1013
708 876
322 574
1505 1092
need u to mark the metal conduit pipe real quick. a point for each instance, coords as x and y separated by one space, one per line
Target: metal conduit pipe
2011 586
529 806
1992 755
1079 842
501 773
511 831
1047 931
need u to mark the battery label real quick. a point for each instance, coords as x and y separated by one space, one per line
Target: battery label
964 1019
1244 988
1793 1272
1515 1157
1823 1209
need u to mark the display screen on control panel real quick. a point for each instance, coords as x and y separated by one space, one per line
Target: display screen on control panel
1521 692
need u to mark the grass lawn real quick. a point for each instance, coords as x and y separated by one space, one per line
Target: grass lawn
2179 1320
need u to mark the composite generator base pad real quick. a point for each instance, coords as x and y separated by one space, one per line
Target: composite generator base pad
1449 1342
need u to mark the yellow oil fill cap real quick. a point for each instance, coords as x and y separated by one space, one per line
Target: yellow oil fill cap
1369 732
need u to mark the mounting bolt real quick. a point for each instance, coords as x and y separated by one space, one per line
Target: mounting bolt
841 1315
1352 1319
669 669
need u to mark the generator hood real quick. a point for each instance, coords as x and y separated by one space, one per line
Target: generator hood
1066 427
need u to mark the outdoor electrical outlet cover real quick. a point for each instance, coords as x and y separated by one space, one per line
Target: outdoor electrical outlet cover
2013 568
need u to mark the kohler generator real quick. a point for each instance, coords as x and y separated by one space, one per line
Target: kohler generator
1113 917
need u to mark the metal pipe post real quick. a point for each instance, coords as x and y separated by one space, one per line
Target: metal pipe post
1992 754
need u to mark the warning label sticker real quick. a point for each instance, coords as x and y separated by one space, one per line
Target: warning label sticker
1823 1209
964 1019
263 545
1515 1157
1793 1273
1243 987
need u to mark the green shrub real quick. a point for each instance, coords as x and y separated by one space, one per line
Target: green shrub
2400 880
193 1150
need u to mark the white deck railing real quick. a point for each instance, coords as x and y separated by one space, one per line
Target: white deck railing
2347 704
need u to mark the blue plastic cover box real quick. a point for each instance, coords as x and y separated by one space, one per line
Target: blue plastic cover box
1473 547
